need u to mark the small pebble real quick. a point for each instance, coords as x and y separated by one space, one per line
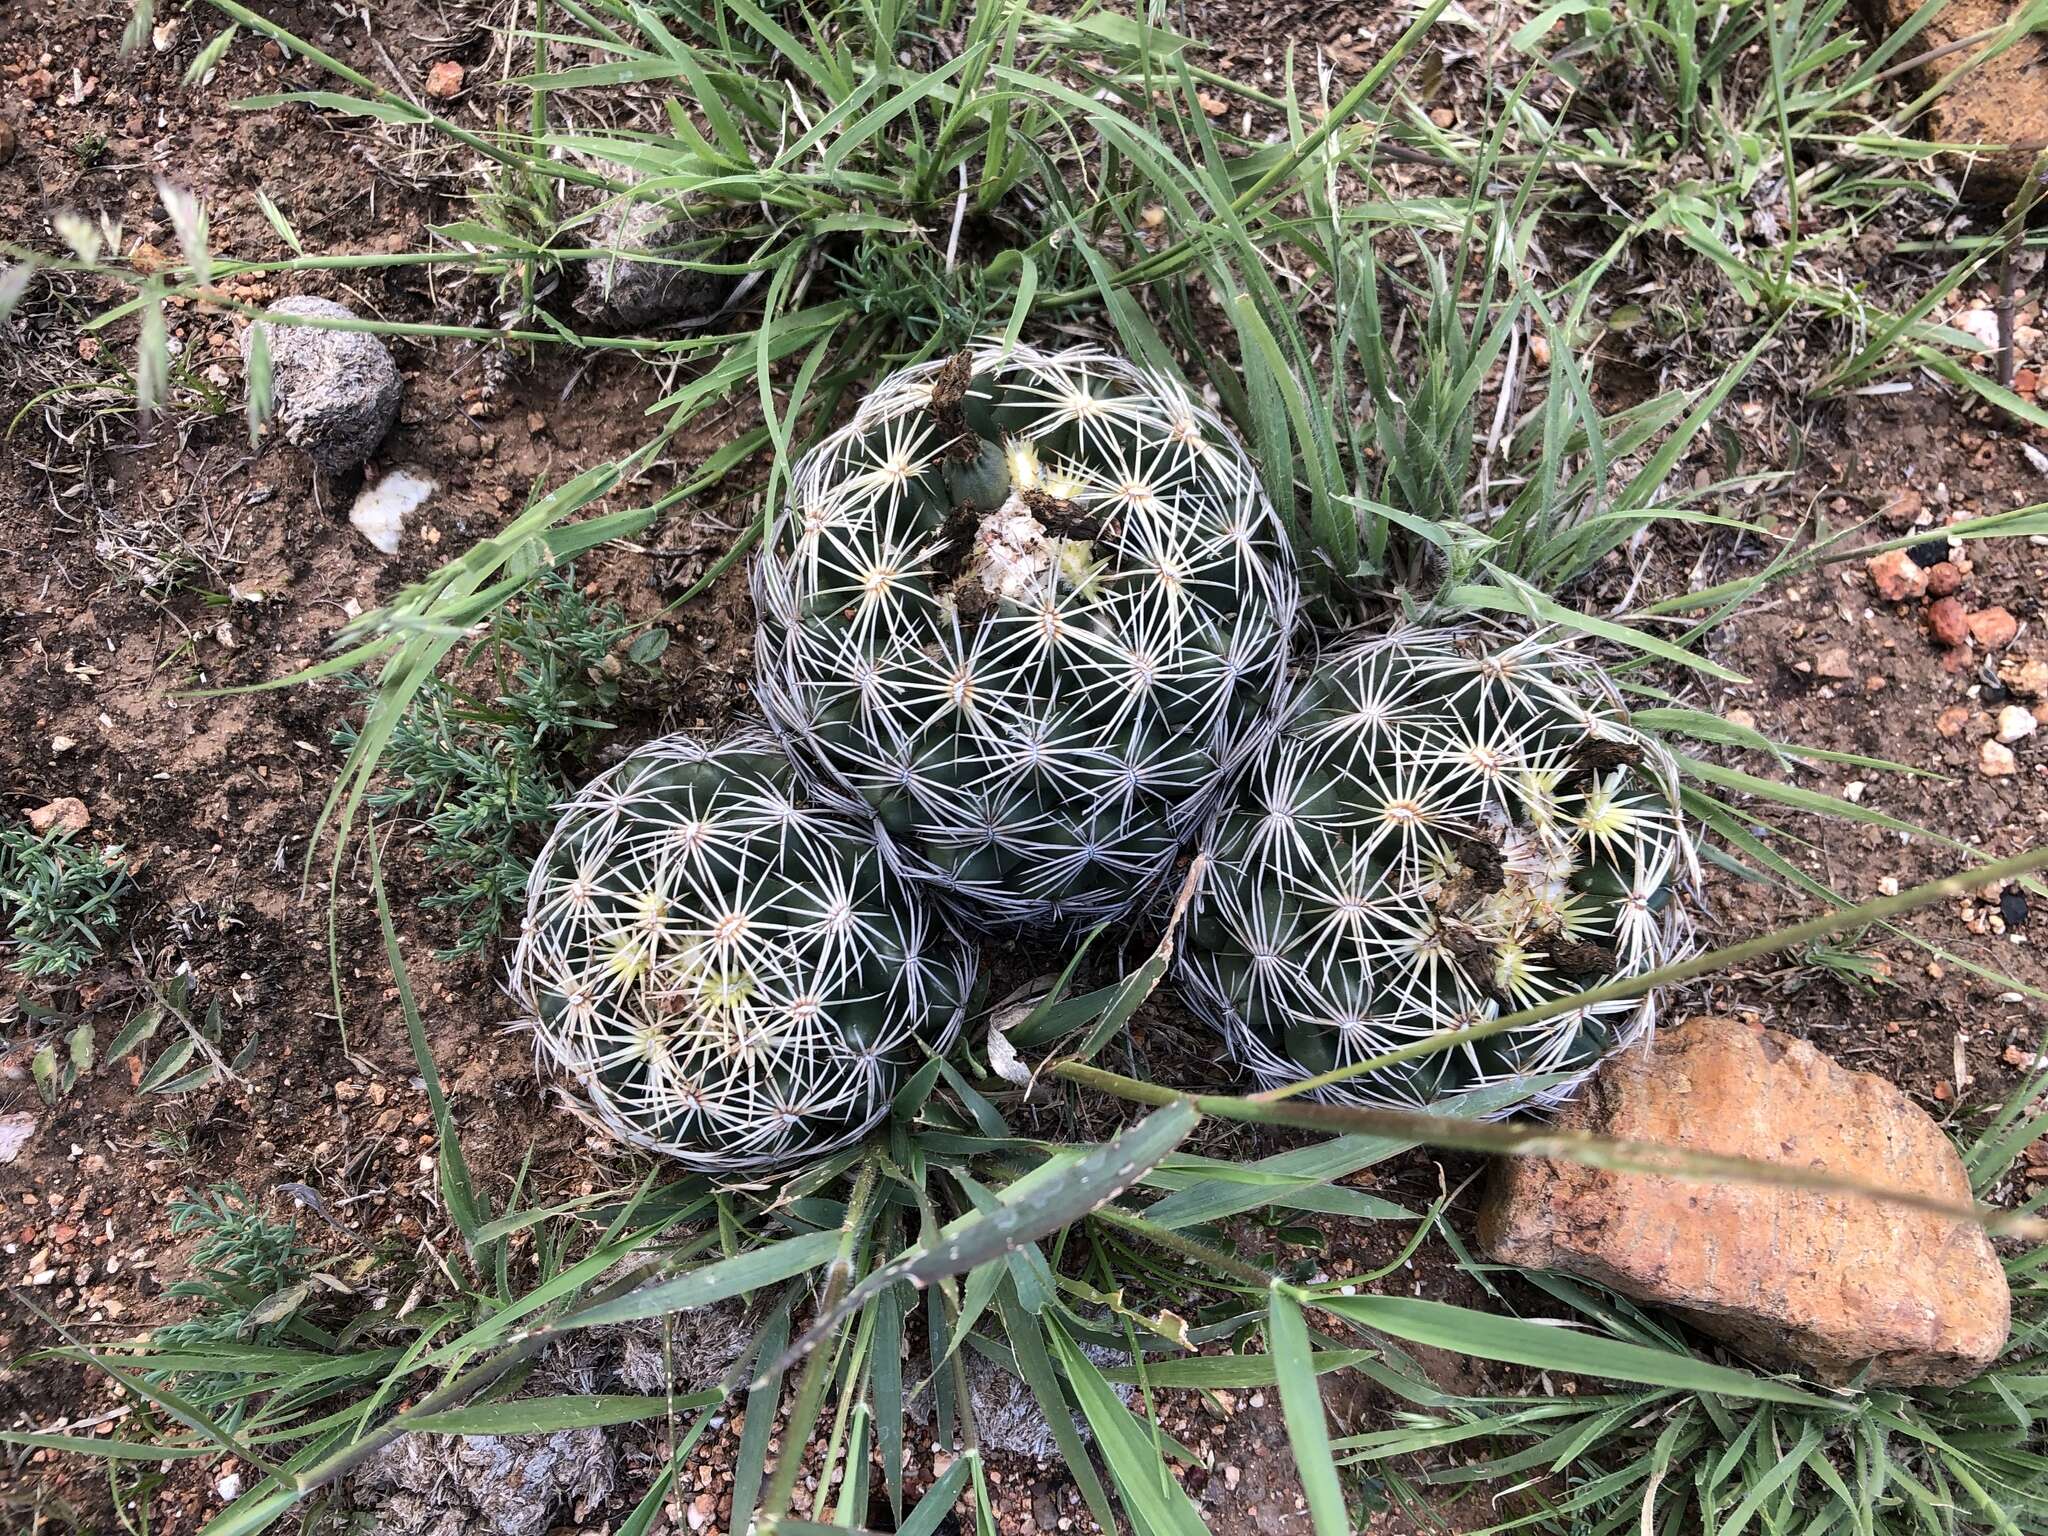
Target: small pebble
1995 760
2015 723
444 79
1947 622
1898 576
2028 678
1993 627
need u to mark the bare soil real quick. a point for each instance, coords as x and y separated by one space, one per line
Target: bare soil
214 799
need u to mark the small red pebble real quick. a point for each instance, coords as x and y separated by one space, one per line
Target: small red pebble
1944 579
1897 577
1947 622
1943 1092
1993 627
444 79
1959 660
1904 506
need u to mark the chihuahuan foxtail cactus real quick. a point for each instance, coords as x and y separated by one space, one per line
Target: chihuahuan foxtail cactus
1449 825
1033 609
733 976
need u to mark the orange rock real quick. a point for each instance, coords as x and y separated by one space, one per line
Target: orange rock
444 79
1825 1282
2000 99
1993 627
1950 721
67 814
1905 505
1947 622
1896 576
1944 579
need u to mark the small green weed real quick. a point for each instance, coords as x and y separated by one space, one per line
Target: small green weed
250 1277
58 900
57 1070
488 751
249 1273
1847 963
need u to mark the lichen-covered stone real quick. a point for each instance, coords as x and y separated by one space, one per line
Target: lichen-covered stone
625 291
1821 1282
334 393
486 1485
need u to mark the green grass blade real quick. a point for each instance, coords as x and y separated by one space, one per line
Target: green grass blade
1301 1405
1517 1341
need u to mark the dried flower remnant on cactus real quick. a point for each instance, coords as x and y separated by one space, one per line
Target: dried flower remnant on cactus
1033 609
733 975
1448 825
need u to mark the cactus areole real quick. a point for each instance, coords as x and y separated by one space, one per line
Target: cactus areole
1449 825
733 976
1033 610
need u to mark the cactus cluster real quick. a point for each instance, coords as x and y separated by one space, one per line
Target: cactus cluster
732 974
1032 609
1448 825
1024 634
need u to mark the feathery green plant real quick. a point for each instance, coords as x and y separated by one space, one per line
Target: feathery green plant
243 1266
59 900
1032 608
487 750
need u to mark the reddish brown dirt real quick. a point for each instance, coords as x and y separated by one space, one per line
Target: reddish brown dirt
215 800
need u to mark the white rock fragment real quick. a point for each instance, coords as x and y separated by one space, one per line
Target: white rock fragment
2015 723
1995 761
15 1131
380 510
1980 325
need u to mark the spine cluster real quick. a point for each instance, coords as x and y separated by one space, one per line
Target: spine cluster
1031 609
733 975
1448 826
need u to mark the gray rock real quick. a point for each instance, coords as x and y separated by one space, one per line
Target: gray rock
624 294
701 1345
335 393
1006 1413
486 1485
